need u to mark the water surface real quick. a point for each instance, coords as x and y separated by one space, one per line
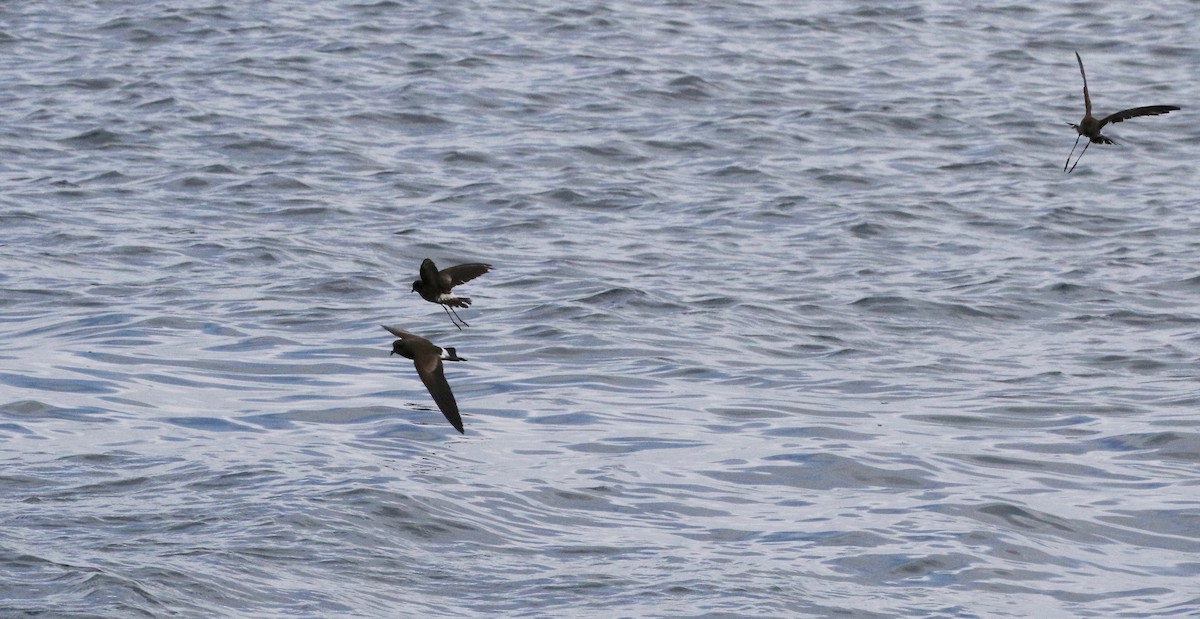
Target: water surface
794 312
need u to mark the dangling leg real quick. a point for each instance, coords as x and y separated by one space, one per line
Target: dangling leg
459 318
1080 156
1072 153
452 317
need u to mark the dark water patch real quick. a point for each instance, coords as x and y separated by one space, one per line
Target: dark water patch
469 157
736 172
819 432
614 298
163 103
1060 469
1124 362
415 119
822 472
56 385
610 154
567 419
867 230
1148 446
96 138
746 413
1015 415
274 182
925 310
110 177
93 83
678 146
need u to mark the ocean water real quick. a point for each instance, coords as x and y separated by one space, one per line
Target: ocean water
794 312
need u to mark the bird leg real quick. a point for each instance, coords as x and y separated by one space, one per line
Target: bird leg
1072 152
1089 143
448 310
458 317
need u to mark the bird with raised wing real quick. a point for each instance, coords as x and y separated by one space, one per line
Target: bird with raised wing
428 357
1090 127
435 286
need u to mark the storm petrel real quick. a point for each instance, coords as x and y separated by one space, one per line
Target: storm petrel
434 285
1090 128
428 358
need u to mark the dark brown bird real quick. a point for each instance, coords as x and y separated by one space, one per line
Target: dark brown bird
428 358
434 285
1090 128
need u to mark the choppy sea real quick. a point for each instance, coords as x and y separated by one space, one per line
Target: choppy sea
794 312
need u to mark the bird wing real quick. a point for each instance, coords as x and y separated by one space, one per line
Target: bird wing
1134 112
1087 101
429 368
405 335
464 272
429 274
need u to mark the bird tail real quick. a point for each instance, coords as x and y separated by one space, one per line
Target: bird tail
1100 139
456 301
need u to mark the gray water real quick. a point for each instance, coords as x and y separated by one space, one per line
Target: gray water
794 311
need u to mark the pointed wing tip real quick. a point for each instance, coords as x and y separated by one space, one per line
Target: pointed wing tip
455 421
445 403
